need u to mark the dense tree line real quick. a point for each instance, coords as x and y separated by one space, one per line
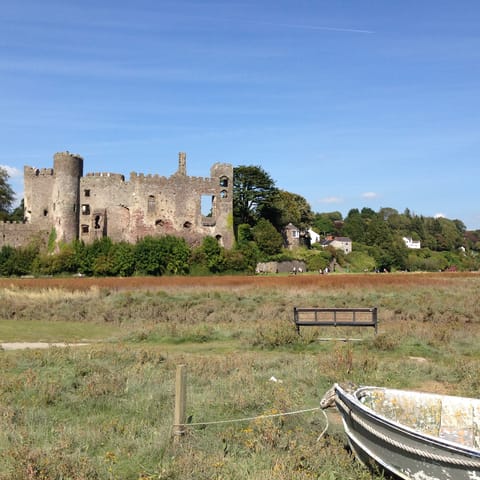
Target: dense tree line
261 212
168 255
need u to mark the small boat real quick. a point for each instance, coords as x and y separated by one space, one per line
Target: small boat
410 435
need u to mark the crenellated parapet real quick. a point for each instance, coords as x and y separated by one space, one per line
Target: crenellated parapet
37 172
114 176
136 176
11 222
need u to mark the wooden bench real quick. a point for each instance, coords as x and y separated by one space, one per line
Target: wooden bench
335 317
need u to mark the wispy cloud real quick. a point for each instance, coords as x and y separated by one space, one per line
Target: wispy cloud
12 172
369 195
439 215
331 200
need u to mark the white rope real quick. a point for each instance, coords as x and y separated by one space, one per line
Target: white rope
247 419
326 425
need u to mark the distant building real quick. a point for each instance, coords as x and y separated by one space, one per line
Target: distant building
411 243
291 235
339 243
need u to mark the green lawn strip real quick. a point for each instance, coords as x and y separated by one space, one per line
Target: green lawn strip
58 331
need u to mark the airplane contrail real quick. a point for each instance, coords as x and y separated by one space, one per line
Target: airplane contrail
317 27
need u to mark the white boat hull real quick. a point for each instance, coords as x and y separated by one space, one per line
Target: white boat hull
413 436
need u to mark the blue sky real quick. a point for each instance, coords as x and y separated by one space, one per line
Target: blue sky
350 104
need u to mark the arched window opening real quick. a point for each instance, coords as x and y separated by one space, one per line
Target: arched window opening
224 181
151 204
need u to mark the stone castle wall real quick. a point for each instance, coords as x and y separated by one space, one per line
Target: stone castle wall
20 234
94 205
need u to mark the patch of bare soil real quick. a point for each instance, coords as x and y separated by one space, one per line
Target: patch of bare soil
35 345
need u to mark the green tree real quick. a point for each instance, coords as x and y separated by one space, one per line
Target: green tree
64 261
253 190
244 234
7 260
213 254
251 254
123 259
7 195
378 233
287 207
18 261
354 226
164 255
324 223
18 213
267 238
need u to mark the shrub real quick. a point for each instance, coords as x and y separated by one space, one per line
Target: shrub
164 255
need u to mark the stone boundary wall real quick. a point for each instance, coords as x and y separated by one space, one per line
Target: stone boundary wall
281 267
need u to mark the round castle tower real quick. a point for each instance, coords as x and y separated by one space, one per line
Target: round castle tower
68 169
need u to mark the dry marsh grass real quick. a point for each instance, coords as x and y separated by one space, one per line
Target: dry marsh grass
105 411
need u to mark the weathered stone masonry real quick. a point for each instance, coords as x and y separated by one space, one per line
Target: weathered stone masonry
104 204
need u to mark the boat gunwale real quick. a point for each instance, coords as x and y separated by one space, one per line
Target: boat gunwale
402 429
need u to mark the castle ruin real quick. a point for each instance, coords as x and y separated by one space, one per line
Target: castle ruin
88 207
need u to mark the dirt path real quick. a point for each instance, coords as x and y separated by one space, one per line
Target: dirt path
34 345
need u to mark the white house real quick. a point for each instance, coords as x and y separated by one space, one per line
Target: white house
339 243
411 243
314 236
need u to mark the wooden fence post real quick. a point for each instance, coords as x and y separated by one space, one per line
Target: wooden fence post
180 401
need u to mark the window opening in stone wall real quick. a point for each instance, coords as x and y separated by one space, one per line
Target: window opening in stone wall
224 181
187 225
159 223
223 194
85 229
85 209
97 225
219 239
45 212
86 193
151 204
207 205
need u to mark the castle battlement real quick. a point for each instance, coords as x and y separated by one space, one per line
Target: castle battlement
134 176
117 176
38 172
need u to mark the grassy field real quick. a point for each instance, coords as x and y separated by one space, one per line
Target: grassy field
105 410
